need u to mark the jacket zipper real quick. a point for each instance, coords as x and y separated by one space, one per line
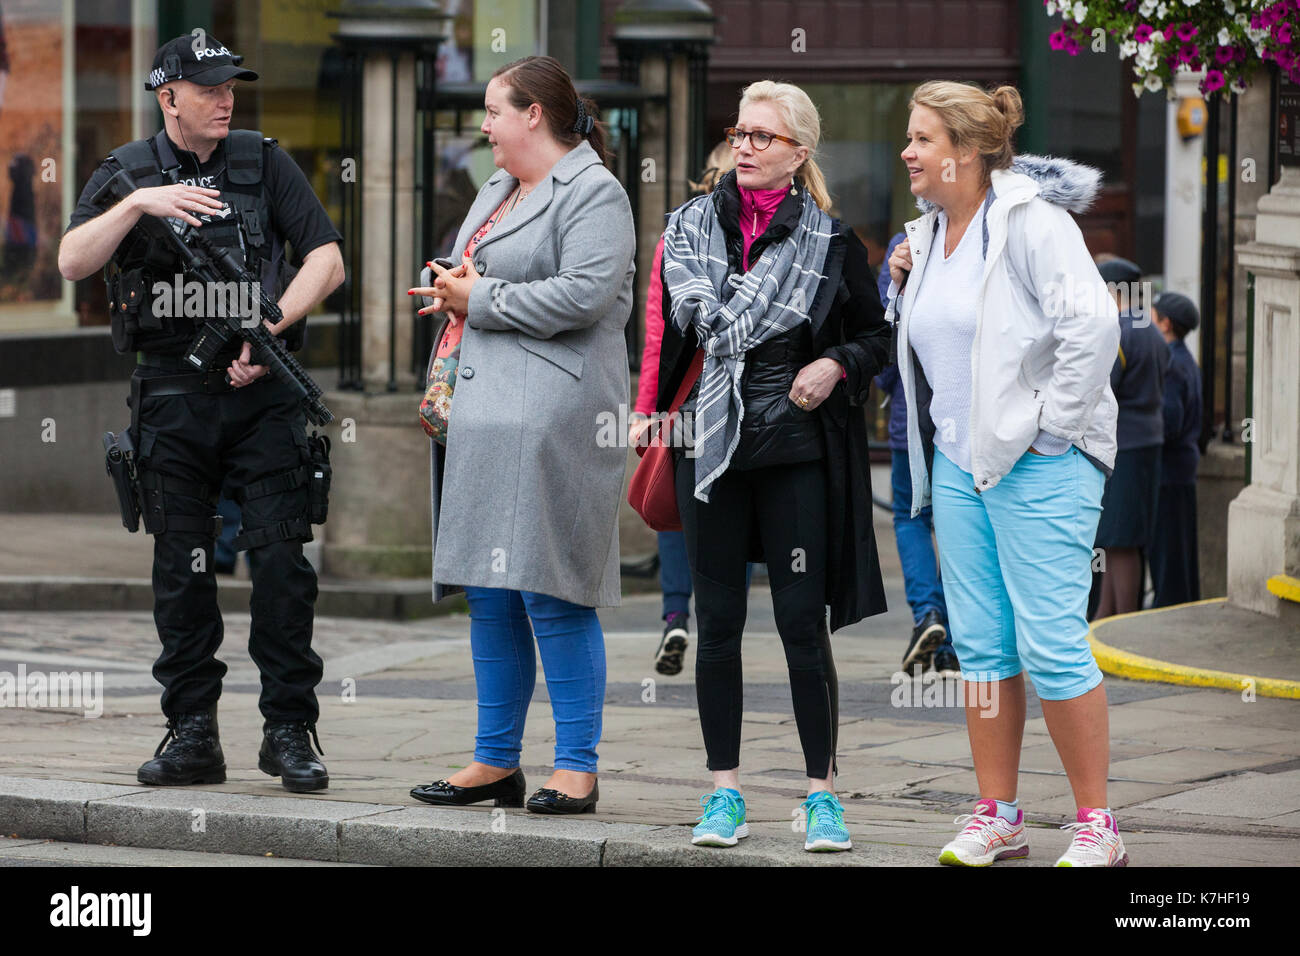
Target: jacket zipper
753 230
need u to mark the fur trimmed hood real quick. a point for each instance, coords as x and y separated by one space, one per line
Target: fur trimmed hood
1062 182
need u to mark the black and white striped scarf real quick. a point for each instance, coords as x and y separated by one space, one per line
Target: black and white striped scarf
733 314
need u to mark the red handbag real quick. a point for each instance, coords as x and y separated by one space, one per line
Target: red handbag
652 492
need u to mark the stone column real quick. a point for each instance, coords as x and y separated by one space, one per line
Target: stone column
662 46
379 499
387 189
1183 198
1264 520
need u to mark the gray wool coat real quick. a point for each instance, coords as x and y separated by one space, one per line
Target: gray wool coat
526 493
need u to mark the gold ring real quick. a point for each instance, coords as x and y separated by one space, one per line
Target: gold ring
802 401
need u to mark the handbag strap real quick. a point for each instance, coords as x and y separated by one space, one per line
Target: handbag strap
692 373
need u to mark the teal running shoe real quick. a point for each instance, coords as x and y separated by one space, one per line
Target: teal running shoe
723 821
826 830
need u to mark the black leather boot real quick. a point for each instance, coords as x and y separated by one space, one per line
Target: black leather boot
286 753
194 755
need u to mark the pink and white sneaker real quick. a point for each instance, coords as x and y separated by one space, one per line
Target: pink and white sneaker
986 838
1096 841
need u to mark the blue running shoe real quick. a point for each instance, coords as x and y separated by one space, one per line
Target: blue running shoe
723 821
826 830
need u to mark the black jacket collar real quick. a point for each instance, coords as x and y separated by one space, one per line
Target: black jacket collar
726 201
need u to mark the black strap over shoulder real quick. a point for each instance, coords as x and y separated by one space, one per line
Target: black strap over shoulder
138 159
244 149
149 161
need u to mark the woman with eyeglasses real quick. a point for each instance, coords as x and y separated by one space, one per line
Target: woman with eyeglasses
779 298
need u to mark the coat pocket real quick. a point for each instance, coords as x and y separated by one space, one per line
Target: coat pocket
557 353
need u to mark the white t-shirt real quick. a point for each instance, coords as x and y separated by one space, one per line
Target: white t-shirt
942 333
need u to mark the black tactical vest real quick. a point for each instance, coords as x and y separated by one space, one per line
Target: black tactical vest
139 262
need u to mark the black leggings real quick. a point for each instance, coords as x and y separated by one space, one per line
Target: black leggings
785 505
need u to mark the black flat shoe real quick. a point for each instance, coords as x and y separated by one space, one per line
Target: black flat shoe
552 801
506 792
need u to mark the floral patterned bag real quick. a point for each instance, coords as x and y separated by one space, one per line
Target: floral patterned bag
435 409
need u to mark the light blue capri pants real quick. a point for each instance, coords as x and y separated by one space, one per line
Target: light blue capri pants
1017 566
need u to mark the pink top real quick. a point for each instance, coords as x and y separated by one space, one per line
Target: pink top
756 209
647 390
456 331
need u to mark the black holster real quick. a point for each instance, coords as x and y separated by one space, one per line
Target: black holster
318 478
119 455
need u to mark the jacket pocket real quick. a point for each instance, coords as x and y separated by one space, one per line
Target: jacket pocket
557 353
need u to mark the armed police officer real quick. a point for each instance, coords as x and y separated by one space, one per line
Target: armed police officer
226 425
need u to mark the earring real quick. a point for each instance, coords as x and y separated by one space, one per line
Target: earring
793 190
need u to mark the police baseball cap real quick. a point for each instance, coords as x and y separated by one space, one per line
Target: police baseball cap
198 57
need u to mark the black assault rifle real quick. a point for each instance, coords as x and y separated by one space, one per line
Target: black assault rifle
209 264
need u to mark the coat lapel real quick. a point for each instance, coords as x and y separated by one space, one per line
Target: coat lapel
492 194
568 166
523 213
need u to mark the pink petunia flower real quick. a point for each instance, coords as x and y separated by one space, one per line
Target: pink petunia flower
1143 33
1213 81
1057 40
1185 31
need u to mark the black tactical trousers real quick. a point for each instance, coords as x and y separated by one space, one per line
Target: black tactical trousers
235 439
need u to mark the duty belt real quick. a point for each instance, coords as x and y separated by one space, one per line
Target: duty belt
211 381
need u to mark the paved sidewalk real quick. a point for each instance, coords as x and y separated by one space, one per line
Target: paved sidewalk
1198 776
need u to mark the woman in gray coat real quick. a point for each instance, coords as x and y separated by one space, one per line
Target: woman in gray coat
526 492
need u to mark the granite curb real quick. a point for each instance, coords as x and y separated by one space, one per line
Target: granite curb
378 834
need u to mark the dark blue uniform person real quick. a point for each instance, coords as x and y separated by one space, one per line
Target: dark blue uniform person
227 426
1175 570
1128 504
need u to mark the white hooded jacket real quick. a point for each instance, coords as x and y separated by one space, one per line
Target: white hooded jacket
1046 328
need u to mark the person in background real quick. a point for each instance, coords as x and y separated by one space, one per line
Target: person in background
1175 571
1128 506
674 569
4 61
20 234
931 644
874 237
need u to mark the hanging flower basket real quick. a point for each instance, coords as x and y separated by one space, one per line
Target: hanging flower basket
1230 41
